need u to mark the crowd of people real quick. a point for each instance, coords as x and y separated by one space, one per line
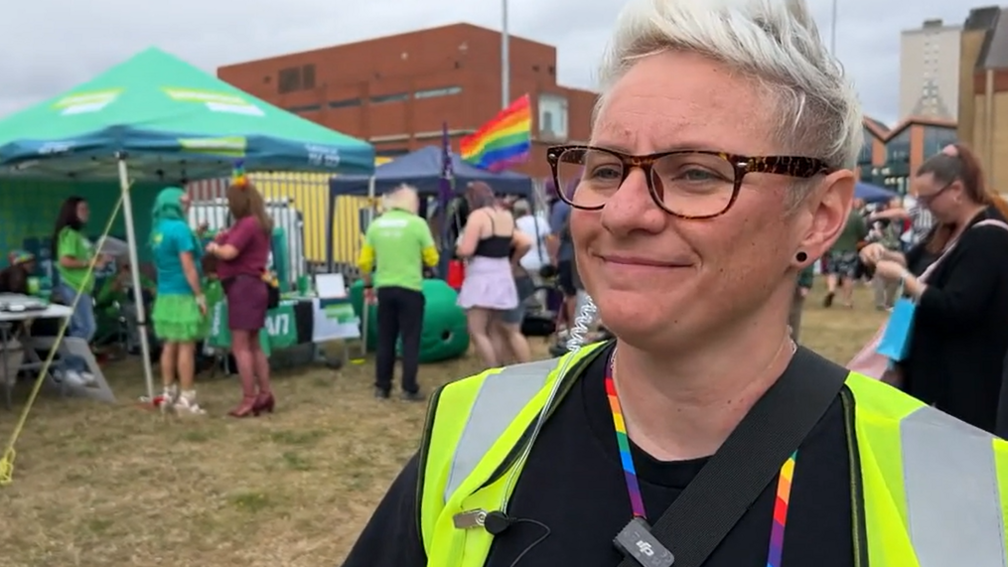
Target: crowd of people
186 262
509 252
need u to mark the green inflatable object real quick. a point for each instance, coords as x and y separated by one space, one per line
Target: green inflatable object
444 335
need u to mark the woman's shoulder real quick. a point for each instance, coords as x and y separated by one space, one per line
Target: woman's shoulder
989 227
172 224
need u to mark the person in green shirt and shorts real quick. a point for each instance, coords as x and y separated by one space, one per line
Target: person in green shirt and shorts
74 253
180 306
401 244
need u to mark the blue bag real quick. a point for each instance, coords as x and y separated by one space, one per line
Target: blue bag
895 341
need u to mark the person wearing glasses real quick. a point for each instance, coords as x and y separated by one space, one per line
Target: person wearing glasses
959 337
693 215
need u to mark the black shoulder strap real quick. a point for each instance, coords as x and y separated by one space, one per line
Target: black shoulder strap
727 486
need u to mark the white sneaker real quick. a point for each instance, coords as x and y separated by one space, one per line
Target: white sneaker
188 405
89 379
74 378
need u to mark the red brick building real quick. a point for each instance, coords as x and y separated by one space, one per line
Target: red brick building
397 91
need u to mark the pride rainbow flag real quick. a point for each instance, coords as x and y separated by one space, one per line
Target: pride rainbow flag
502 142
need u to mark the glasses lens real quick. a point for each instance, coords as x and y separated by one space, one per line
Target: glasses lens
694 185
589 177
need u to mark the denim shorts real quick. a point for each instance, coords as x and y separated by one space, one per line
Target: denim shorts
526 288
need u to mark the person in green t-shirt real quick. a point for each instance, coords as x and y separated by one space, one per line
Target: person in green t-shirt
401 244
842 262
73 254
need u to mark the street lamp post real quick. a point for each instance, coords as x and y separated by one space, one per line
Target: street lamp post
832 29
505 57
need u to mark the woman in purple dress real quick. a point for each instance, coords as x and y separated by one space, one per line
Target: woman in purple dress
242 251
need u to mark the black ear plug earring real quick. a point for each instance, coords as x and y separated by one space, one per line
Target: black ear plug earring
801 256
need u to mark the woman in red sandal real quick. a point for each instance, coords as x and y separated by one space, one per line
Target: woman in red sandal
242 252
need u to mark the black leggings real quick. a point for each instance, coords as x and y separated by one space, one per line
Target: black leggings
400 314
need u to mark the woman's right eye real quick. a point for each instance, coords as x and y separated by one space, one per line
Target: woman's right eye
606 172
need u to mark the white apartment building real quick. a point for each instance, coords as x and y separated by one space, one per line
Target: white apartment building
929 71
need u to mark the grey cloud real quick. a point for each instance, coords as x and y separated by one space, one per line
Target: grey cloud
51 45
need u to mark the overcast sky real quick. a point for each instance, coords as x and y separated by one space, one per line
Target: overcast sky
48 46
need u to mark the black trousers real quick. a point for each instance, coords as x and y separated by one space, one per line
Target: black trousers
400 315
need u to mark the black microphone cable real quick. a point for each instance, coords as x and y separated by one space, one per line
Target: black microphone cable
498 522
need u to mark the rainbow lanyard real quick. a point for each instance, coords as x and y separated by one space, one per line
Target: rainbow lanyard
633 486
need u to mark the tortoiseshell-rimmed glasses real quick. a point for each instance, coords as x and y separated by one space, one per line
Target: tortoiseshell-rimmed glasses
689 184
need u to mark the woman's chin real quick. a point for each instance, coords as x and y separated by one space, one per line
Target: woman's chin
630 314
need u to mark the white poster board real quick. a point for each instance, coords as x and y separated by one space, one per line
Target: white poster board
334 319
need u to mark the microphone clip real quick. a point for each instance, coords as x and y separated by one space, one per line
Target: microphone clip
495 522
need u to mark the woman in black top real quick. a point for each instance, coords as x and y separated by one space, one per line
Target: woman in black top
960 330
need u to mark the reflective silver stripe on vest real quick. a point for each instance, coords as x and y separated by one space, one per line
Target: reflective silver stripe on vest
953 499
501 398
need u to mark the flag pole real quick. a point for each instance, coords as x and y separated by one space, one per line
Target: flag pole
833 23
505 57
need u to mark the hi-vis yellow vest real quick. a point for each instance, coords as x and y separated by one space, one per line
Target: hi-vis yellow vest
933 490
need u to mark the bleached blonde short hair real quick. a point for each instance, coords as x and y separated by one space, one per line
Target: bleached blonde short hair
403 197
774 41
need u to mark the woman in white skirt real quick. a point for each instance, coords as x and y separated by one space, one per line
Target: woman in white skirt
488 288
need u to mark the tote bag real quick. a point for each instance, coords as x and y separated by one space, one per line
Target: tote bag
871 360
895 341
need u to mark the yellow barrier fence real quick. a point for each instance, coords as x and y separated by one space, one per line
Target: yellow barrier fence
309 194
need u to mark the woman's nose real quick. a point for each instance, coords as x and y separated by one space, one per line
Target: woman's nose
632 208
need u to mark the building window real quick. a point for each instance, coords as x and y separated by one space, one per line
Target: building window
552 116
391 152
305 108
346 103
289 80
308 77
384 99
936 138
898 148
434 93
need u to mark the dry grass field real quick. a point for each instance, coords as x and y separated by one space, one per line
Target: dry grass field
115 485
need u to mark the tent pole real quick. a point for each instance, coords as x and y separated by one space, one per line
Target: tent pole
135 272
371 200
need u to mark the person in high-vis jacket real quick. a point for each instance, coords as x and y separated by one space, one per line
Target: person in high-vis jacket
719 166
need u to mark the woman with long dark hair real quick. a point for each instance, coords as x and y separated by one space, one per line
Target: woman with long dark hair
243 251
958 277
73 254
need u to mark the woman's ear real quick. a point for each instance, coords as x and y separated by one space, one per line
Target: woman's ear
828 207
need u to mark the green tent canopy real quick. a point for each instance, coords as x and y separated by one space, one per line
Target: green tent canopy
171 122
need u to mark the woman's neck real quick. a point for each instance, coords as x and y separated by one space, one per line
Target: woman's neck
684 406
965 219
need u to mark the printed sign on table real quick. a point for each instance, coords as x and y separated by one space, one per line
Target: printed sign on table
281 329
334 319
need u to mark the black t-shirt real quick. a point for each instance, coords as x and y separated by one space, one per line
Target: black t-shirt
573 483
